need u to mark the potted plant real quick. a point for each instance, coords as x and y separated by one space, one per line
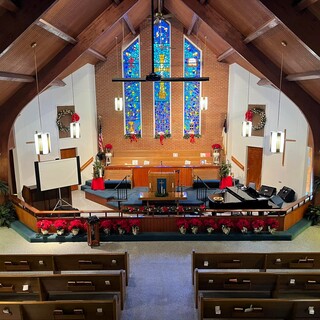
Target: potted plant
60 225
224 174
122 226
313 214
108 148
195 224
183 225
106 225
7 214
135 225
75 226
272 225
44 225
216 153
225 225
257 225
243 225
98 169
210 225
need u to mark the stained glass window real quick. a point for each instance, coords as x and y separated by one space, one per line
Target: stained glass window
132 90
192 68
162 66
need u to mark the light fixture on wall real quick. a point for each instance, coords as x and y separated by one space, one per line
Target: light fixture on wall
74 124
118 101
203 99
277 137
41 140
247 123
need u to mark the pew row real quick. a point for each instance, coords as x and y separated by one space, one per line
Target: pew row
65 262
107 309
276 309
63 287
255 261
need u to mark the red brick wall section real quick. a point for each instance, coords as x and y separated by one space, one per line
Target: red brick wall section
212 119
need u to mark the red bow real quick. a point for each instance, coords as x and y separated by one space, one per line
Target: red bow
192 140
75 117
249 115
161 139
133 137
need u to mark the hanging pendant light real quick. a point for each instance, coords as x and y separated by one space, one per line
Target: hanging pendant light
41 140
277 137
247 123
118 102
74 124
204 100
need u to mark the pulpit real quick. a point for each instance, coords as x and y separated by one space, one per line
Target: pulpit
161 182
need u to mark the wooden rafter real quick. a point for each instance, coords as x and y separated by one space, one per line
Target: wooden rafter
225 54
129 24
7 76
12 26
260 31
304 4
311 75
97 54
261 62
57 32
303 25
192 24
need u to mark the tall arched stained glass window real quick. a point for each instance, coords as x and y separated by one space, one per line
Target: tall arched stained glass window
192 68
162 66
132 90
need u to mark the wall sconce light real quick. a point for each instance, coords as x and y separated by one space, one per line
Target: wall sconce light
203 103
41 140
277 137
118 103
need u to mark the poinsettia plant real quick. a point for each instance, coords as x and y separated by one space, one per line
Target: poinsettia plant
122 224
257 223
225 223
44 224
210 223
195 222
182 223
60 224
243 224
108 147
106 224
76 224
272 223
216 146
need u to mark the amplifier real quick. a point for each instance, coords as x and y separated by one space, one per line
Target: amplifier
277 201
266 191
286 194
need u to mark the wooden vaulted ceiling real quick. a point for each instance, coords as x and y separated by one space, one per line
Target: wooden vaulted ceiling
71 33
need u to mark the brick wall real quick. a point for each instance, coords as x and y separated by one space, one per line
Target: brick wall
212 119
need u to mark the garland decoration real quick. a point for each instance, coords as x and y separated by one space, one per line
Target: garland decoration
60 115
263 119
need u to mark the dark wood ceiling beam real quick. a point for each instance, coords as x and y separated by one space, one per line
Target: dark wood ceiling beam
225 54
304 4
311 75
57 32
97 54
8 5
129 24
302 24
12 25
7 76
256 58
260 31
57 83
194 20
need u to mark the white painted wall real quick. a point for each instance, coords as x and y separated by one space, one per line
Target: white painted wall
292 174
28 122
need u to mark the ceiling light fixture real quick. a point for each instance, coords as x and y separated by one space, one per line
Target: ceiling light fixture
277 137
41 140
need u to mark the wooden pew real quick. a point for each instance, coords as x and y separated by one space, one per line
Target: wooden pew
65 262
234 284
232 308
63 287
107 309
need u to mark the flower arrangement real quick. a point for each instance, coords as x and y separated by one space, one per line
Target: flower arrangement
106 224
75 117
76 224
108 147
180 209
216 146
210 225
60 224
195 224
44 224
134 223
272 224
183 225
225 225
243 225
122 226
257 225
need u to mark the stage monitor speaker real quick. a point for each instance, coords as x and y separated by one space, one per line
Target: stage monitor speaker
266 191
277 201
286 194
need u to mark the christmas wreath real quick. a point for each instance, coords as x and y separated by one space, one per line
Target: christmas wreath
263 119
61 114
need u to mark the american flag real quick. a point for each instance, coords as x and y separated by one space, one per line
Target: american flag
100 138
224 134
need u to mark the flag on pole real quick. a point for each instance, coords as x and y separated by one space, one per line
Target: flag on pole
100 137
224 135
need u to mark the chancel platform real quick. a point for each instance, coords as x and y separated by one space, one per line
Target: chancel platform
151 197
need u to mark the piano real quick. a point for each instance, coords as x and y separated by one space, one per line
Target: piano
238 198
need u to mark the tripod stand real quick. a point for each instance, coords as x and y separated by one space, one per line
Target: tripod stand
61 202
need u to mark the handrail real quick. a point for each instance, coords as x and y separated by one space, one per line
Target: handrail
199 179
86 164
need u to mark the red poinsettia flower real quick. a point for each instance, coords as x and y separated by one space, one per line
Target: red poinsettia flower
75 117
60 224
182 223
210 223
272 223
106 224
44 224
257 223
196 222
243 223
216 146
76 224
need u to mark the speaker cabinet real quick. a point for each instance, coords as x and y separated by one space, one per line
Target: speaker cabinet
286 194
266 191
277 201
